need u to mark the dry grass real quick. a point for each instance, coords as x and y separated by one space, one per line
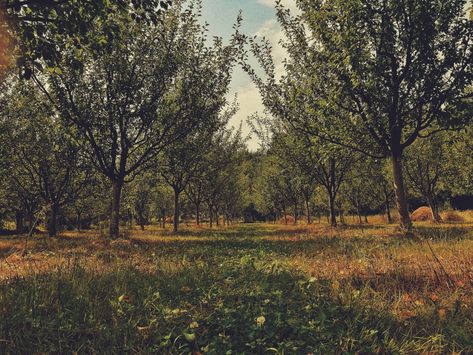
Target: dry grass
354 253
422 214
424 279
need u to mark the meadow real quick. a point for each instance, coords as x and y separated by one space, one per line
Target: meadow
241 289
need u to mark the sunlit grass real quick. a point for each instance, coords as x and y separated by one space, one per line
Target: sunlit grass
242 288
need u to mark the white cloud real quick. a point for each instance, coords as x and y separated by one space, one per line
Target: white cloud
249 100
248 95
271 30
289 4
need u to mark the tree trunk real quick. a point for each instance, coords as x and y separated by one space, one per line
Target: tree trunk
333 213
211 216
341 215
52 220
176 211
79 221
30 220
114 228
388 210
366 219
332 193
19 222
435 212
130 219
141 219
400 190
358 211
163 217
197 213
295 213
307 206
217 217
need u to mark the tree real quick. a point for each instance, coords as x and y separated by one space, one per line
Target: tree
46 162
123 100
41 29
221 164
367 188
309 160
163 201
184 159
459 150
426 165
195 194
273 188
374 75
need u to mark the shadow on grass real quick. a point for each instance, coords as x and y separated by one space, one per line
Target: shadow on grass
233 308
444 233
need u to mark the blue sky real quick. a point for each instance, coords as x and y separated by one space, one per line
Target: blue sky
258 18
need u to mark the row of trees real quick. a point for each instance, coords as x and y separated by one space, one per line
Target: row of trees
301 178
126 100
147 98
367 79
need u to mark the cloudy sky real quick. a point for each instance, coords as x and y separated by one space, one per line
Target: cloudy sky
258 18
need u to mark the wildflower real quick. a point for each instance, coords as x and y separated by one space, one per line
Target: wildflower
260 321
194 325
124 298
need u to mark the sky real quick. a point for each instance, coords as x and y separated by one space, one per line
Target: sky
258 18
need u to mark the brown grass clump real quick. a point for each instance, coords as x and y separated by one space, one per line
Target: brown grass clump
468 215
452 216
422 214
289 219
383 218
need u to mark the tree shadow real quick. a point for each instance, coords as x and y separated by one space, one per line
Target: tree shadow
242 309
444 233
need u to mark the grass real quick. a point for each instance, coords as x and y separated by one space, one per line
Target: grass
244 289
